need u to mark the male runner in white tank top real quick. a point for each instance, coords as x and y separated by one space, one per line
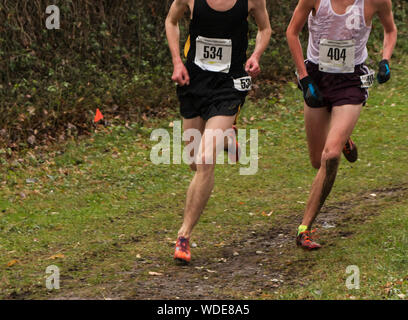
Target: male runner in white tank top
334 81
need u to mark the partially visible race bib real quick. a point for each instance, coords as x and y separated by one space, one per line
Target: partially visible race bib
337 56
367 80
213 54
243 84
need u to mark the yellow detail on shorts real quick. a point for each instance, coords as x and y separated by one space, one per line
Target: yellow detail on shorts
237 115
187 47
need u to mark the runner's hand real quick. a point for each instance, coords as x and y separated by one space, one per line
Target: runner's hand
384 72
311 93
180 75
252 67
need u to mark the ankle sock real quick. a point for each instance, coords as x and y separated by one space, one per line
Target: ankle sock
302 228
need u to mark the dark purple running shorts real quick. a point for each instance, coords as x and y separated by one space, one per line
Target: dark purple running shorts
339 89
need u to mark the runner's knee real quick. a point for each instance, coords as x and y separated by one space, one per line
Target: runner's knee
205 162
316 163
330 155
205 168
315 159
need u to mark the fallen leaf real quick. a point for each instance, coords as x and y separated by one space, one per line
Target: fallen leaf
12 263
267 214
31 139
152 273
57 256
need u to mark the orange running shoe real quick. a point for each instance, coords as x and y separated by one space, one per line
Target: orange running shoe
304 240
350 151
182 253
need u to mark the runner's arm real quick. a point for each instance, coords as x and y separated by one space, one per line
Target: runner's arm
296 25
177 10
261 16
390 30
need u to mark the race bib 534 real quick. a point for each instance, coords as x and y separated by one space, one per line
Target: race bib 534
213 54
243 84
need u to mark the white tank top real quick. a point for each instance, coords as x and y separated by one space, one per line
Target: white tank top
327 24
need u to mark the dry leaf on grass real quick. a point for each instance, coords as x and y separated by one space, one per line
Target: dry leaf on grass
12 263
57 256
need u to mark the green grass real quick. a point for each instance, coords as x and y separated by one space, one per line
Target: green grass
378 249
112 215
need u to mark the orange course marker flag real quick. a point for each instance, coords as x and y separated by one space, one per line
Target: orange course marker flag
98 116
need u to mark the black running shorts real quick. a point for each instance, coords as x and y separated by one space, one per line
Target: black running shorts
210 94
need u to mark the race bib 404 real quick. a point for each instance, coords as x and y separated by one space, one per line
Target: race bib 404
213 54
367 80
337 56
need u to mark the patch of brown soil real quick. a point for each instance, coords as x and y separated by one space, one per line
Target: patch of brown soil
262 260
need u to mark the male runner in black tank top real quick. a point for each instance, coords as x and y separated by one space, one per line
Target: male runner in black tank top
213 84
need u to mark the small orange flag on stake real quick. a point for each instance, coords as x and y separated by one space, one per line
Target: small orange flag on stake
98 116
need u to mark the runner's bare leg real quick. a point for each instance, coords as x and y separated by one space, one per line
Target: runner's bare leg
202 184
317 124
194 123
343 121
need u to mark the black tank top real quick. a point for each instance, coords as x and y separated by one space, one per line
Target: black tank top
211 24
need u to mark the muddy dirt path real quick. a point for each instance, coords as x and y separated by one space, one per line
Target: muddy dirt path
264 258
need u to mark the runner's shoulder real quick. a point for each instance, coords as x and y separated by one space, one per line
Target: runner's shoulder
183 5
183 2
380 5
256 4
308 4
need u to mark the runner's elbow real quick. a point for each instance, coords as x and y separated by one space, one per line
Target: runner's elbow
291 33
268 31
394 30
170 22
391 30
